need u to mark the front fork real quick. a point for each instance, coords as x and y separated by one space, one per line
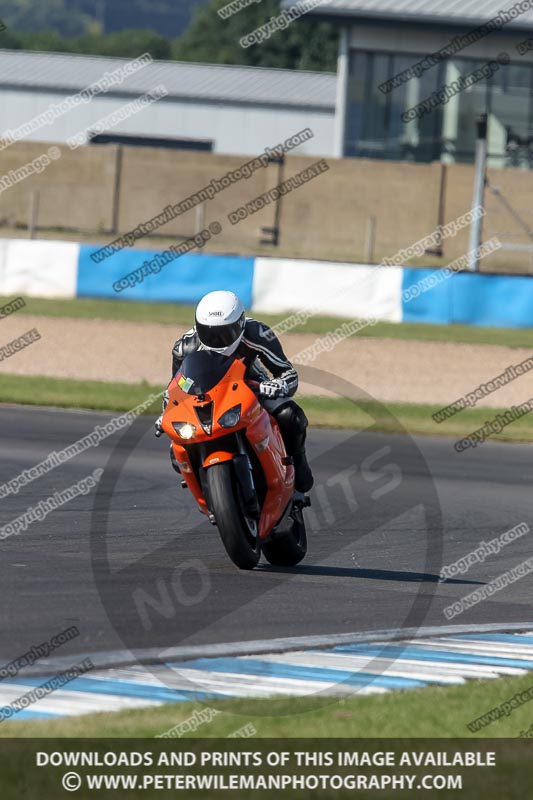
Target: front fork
244 475
243 471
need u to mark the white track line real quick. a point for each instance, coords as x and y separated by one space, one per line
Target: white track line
123 658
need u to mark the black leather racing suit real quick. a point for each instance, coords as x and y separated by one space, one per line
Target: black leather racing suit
261 350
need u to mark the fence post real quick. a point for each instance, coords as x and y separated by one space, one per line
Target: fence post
476 225
370 239
117 189
33 214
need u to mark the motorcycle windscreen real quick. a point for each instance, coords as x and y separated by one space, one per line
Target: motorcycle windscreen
201 371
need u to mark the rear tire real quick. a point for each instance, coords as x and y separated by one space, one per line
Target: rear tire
236 530
289 548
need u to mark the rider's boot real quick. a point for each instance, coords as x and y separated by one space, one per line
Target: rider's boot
293 425
303 478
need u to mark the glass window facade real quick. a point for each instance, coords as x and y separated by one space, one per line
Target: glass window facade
376 125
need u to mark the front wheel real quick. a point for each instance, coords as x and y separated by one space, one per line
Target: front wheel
239 533
290 547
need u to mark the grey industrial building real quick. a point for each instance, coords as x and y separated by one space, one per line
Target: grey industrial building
223 109
242 110
380 39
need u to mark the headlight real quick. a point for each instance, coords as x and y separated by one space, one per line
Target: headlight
184 429
230 418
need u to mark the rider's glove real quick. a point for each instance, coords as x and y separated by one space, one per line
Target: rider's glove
275 388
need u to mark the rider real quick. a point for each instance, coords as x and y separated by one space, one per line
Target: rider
222 327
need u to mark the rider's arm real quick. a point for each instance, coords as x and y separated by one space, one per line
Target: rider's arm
263 340
187 344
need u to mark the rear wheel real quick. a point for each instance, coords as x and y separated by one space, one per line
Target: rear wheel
238 532
290 547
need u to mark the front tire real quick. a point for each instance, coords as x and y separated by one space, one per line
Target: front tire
239 534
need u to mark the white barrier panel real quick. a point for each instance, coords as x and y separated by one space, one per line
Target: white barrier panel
3 262
343 290
39 268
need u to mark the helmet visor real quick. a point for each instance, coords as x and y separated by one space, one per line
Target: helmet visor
218 336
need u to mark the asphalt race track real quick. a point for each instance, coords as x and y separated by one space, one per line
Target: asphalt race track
145 570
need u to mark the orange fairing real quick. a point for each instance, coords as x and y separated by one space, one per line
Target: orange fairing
217 458
260 429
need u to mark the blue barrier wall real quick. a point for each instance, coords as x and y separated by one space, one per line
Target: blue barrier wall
432 305
500 301
184 280
49 268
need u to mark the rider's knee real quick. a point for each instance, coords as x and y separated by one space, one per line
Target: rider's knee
290 416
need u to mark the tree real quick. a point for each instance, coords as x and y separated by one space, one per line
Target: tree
42 15
72 18
126 44
305 44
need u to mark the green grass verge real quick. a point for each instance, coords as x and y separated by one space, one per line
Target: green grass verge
171 314
323 412
426 713
66 393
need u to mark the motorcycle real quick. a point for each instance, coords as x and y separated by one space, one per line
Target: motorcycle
232 458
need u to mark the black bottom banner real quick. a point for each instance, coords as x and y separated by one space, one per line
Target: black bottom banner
50 769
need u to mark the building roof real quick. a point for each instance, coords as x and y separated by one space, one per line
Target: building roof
468 13
212 83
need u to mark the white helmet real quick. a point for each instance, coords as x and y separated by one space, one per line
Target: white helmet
220 321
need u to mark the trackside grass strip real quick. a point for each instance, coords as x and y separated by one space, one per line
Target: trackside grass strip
323 412
172 314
